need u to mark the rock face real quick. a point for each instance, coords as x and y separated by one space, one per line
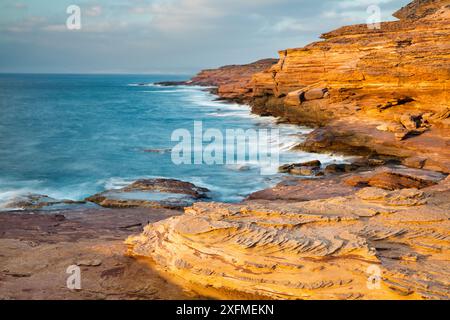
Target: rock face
151 193
378 234
232 82
325 247
384 90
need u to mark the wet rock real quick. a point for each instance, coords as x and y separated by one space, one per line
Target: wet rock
288 167
151 193
309 168
172 83
313 163
304 171
160 151
167 186
285 168
38 202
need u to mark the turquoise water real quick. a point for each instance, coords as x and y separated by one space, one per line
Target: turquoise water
71 136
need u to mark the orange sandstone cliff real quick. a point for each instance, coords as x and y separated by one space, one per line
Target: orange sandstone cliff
374 233
385 90
232 81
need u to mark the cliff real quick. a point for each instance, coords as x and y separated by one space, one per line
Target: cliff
355 233
360 243
386 90
232 82
383 91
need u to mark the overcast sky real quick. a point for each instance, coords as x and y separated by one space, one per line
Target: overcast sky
165 36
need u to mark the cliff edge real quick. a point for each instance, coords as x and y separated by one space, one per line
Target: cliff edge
378 233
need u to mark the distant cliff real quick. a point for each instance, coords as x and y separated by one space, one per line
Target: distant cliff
232 82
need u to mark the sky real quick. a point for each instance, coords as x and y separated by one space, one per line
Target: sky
165 36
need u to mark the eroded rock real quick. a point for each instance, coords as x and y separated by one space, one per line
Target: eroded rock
151 193
389 181
313 249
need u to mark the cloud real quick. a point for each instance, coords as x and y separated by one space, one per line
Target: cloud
55 28
356 11
166 35
20 5
361 3
289 24
27 24
94 11
181 15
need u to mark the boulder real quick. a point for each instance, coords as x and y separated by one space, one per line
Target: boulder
151 193
410 122
309 168
304 171
315 94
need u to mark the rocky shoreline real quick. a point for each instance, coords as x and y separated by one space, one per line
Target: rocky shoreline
322 233
382 93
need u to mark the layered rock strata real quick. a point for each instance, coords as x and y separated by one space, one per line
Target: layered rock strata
324 246
384 90
370 90
352 233
151 193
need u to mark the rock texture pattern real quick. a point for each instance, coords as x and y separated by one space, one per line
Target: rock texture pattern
322 248
383 90
349 234
151 193
232 82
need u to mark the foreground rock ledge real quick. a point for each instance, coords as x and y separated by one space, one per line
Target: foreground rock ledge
317 249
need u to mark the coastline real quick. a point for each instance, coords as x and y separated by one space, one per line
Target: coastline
376 228
74 233
50 231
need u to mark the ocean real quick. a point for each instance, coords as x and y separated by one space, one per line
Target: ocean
71 136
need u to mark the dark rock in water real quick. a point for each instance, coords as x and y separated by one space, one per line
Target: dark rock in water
167 186
161 151
304 171
172 83
288 167
152 193
38 202
285 168
314 163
